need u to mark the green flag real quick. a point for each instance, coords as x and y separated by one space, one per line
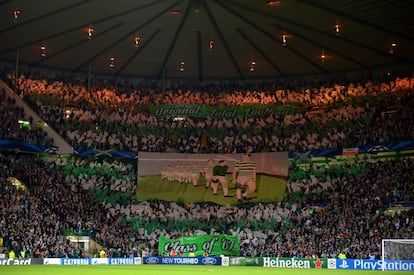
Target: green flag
213 245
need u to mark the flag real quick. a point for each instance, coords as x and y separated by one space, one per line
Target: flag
378 148
51 150
303 157
350 151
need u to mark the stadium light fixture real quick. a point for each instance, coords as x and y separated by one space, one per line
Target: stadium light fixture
392 47
43 51
252 65
284 40
111 62
137 40
323 57
337 28
16 15
211 45
90 31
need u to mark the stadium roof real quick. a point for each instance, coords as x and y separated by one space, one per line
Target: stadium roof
208 39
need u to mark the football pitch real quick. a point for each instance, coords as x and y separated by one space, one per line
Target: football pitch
176 270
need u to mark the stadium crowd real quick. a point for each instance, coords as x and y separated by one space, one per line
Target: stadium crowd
11 130
325 212
334 116
349 217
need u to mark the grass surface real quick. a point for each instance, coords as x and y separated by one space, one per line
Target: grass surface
176 270
270 189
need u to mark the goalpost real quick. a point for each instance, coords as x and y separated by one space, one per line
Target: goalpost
393 250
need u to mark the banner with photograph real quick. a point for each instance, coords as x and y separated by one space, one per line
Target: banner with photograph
182 178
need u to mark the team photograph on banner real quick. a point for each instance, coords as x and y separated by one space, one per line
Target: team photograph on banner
219 178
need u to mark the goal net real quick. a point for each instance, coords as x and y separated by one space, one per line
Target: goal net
396 252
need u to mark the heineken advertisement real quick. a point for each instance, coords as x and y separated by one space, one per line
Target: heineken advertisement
213 245
214 112
294 262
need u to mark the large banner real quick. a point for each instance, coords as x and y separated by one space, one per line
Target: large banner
215 112
214 245
179 177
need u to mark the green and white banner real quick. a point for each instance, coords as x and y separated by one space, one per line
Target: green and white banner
213 245
215 112
246 261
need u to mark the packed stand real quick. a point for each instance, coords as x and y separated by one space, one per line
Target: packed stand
325 212
119 118
12 130
108 179
29 224
36 217
345 212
